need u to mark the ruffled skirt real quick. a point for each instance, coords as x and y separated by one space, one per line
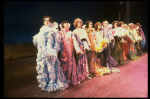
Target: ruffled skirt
50 75
95 67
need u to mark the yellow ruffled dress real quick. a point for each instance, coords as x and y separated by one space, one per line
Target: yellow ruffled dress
97 45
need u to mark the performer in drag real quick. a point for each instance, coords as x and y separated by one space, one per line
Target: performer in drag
50 74
138 39
84 44
132 48
108 59
97 45
141 33
68 44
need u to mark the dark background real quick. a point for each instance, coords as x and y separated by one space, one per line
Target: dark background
23 19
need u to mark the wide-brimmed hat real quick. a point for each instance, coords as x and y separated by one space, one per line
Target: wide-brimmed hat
138 24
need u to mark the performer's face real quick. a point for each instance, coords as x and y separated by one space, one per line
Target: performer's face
115 25
65 25
90 25
79 24
137 27
46 21
131 26
105 24
126 27
122 25
99 26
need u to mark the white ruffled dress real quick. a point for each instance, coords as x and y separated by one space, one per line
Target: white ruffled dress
50 74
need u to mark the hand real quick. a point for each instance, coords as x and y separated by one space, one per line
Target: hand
62 34
88 49
60 26
81 52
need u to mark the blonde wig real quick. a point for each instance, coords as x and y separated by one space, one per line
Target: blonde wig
105 22
76 21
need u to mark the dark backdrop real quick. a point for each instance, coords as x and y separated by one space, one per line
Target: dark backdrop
23 19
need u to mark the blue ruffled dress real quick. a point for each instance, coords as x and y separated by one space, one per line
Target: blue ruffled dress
50 74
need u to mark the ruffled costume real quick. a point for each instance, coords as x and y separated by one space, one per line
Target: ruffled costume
132 48
81 59
68 62
97 45
50 74
143 41
120 44
108 59
100 43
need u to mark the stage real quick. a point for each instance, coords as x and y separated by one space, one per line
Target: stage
20 81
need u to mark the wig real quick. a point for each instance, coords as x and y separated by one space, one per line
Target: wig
114 23
119 24
126 26
130 25
138 24
50 19
87 24
63 23
104 22
76 21
96 25
134 26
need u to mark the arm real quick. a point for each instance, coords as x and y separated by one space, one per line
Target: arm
35 40
142 33
111 37
75 44
87 38
38 36
135 35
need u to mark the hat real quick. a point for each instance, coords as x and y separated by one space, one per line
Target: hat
138 24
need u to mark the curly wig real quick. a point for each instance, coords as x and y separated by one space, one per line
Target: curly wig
50 19
119 24
130 25
76 22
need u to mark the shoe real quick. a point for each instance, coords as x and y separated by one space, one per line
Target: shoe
115 70
140 53
89 77
78 82
121 62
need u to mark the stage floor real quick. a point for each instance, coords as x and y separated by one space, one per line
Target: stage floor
20 81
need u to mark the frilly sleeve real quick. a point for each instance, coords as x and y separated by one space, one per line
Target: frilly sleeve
75 43
55 25
35 40
111 36
135 35
53 44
